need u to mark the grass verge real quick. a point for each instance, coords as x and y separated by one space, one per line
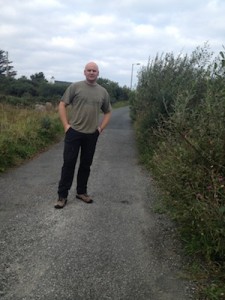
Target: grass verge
25 132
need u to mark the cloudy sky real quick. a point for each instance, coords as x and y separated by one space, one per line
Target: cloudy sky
58 37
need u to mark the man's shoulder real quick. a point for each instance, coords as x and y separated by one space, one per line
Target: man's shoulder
101 87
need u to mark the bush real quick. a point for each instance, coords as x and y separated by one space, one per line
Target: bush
180 124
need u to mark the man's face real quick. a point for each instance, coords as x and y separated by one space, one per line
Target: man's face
91 72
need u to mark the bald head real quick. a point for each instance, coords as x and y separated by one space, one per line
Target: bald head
91 65
91 72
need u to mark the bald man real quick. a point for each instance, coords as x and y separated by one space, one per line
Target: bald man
87 99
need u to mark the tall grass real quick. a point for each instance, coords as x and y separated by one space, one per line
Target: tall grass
179 114
24 132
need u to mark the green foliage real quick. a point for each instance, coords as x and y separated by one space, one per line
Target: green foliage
25 132
23 91
115 91
38 78
179 116
120 104
6 69
164 78
49 128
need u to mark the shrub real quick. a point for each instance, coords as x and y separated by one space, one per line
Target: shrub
179 117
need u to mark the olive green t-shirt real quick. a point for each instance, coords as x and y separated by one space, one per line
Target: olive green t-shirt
87 102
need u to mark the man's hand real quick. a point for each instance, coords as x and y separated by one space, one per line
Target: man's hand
66 128
104 122
63 115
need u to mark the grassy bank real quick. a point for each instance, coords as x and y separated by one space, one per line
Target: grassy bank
25 132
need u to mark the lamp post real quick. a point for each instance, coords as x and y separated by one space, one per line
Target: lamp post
132 70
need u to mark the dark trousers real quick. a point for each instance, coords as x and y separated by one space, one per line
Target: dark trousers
74 142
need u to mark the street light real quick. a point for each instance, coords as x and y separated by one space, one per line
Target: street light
132 70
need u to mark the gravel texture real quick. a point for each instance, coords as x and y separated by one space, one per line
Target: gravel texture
117 248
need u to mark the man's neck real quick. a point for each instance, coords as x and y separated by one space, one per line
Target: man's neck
91 82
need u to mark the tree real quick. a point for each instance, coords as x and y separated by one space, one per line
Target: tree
6 69
38 78
115 91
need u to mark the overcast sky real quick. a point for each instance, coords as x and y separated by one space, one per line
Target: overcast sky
58 37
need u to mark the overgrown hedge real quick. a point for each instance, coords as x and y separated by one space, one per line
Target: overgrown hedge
179 115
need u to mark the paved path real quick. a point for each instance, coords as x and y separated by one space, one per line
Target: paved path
116 248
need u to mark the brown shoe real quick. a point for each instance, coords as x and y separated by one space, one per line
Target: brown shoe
85 198
60 203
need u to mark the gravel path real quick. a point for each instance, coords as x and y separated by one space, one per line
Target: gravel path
116 248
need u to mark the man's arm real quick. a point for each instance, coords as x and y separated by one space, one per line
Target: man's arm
63 115
105 121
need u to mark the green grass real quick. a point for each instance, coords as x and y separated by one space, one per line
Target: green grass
120 104
25 132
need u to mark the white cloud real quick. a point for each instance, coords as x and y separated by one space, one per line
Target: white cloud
145 30
58 37
62 42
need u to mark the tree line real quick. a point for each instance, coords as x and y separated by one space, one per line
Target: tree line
37 89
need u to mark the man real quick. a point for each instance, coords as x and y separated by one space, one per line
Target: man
87 98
